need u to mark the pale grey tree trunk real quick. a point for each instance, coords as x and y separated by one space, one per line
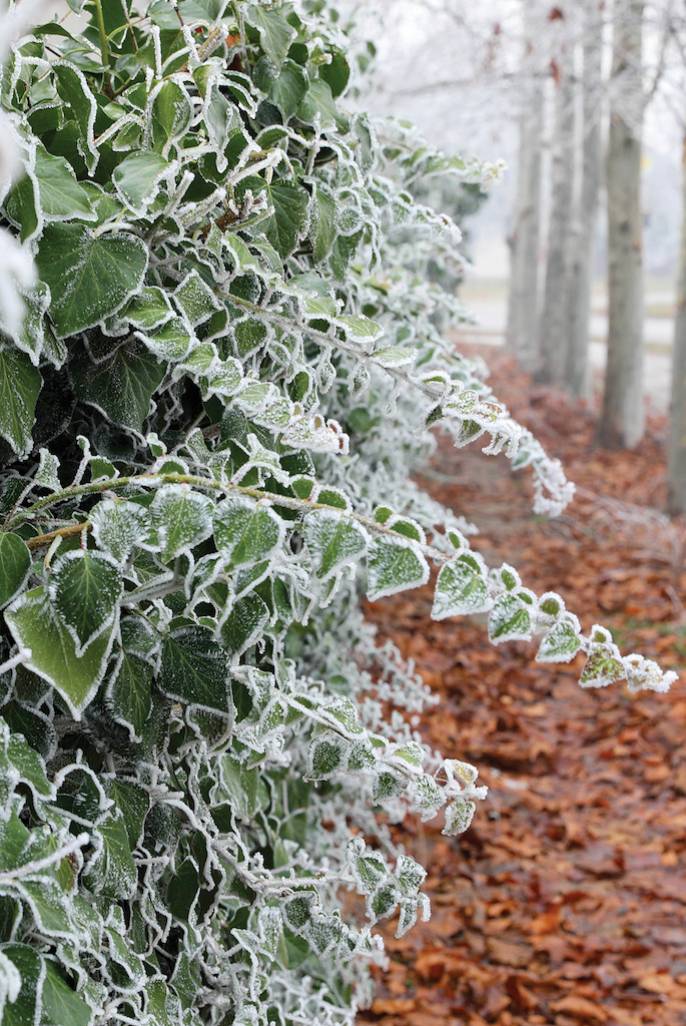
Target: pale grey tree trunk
522 306
677 434
577 370
623 418
553 325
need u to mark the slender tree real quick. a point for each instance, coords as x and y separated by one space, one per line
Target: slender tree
677 435
553 330
524 240
586 218
623 418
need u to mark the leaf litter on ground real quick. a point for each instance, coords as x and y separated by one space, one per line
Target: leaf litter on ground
565 903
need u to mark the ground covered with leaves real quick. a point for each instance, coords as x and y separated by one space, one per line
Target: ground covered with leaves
565 903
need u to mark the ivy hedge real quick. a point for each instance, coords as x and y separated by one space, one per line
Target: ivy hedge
231 361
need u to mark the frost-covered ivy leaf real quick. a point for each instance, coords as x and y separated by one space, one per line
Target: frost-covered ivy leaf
369 867
319 106
29 766
15 563
85 589
90 276
394 566
196 299
122 386
129 693
62 1006
360 329
384 900
246 531
394 356
170 115
604 664
288 222
47 473
195 669
20 385
134 803
170 342
80 102
112 871
23 1006
458 816
333 541
288 88
182 518
118 526
561 642
31 337
327 754
461 588
510 619
245 788
323 222
61 196
244 624
137 179
276 35
49 904
149 309
410 874
35 626
646 675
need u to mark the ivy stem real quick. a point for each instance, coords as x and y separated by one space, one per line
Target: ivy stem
102 33
202 483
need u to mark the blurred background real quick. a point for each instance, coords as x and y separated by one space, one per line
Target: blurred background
537 85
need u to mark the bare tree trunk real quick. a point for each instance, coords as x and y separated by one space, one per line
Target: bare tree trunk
676 451
623 418
522 307
553 325
577 376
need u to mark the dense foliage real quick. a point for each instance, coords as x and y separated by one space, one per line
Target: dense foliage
228 366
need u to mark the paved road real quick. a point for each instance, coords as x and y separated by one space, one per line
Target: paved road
488 305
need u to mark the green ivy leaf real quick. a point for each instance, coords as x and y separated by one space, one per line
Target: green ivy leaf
20 385
323 224
129 694
562 642
333 541
510 619
288 88
80 101
182 518
118 526
15 563
195 669
61 195
149 309
85 590
461 589
276 35
394 566
31 967
137 179
90 276
288 222
246 532
61 1005
112 872
170 115
122 386
244 624
35 626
